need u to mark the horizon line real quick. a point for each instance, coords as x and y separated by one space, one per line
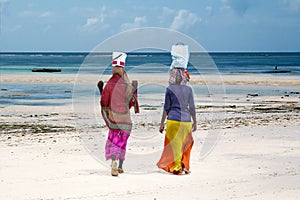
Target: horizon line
149 52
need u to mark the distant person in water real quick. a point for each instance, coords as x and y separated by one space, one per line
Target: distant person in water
276 67
179 109
117 97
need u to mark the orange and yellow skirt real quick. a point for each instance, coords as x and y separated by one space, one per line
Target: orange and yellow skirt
178 144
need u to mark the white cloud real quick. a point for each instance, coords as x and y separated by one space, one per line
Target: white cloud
4 1
294 5
90 22
29 13
168 11
225 4
209 9
45 14
97 22
16 28
137 23
81 10
240 7
166 16
47 28
184 19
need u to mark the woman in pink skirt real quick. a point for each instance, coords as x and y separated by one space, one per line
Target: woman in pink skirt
117 97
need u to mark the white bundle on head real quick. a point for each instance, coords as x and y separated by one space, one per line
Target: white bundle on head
180 56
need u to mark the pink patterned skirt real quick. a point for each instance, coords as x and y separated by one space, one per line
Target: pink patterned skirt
116 144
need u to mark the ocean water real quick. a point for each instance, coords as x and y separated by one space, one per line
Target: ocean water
56 94
224 63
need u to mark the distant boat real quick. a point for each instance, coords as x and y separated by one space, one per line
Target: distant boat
277 71
46 70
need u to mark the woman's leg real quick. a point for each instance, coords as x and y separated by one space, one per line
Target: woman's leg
120 168
115 148
114 169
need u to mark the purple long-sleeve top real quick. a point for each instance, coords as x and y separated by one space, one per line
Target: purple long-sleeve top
179 103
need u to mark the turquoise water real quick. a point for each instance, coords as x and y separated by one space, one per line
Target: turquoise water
57 94
225 63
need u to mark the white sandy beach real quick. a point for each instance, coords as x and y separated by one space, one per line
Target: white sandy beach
256 156
245 79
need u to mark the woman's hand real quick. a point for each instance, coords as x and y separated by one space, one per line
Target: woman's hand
134 85
162 127
100 86
194 128
162 121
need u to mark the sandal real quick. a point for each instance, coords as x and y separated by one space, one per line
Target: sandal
179 172
120 170
114 169
186 171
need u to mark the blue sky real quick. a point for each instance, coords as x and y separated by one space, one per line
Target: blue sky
218 25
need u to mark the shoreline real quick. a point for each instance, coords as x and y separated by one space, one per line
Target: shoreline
225 79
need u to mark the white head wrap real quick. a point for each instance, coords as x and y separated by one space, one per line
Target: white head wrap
118 59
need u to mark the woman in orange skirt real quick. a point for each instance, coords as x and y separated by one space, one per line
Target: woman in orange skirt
179 109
